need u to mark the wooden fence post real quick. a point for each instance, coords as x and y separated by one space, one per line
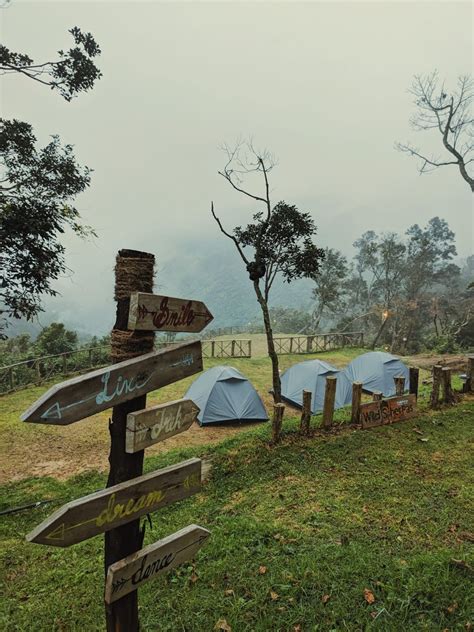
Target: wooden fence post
213 348
469 384
399 384
305 413
356 399
448 394
291 344
249 343
329 399
133 273
10 378
278 410
377 396
232 348
437 378
414 380
309 344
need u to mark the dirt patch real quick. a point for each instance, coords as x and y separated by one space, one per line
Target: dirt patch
426 361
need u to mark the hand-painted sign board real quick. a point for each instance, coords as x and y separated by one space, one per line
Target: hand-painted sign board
149 312
157 423
112 507
388 411
88 394
133 571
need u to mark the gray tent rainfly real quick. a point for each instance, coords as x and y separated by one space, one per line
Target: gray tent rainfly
223 394
376 371
311 376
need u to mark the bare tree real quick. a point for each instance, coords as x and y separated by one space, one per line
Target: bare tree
451 116
280 237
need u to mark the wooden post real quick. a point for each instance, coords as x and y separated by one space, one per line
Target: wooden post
414 380
278 410
10 377
291 344
399 384
437 378
38 370
232 349
356 399
469 385
306 413
213 348
249 343
309 344
448 394
329 399
133 273
65 363
377 396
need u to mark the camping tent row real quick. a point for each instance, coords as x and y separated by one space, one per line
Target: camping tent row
375 370
223 394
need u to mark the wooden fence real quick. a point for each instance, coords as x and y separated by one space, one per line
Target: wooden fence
39 370
318 342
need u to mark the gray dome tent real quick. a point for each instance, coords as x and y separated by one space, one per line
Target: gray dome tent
311 376
224 394
376 371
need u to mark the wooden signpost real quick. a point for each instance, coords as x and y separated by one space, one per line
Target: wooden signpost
149 312
123 386
88 394
112 507
157 423
135 570
387 411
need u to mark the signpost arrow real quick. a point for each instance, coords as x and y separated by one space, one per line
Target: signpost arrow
149 312
135 570
118 505
149 426
88 394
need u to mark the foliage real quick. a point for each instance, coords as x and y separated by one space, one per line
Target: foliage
38 186
55 338
329 286
75 70
289 320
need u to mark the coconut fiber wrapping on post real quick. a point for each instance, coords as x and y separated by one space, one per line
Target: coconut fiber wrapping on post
133 274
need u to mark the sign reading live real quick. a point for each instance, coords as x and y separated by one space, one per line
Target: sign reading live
133 571
157 423
149 312
388 411
112 507
88 394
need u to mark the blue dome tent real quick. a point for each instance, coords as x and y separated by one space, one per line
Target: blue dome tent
376 371
223 394
311 376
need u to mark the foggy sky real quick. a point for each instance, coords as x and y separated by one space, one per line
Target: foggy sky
323 85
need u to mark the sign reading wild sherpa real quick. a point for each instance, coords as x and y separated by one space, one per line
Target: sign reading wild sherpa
118 505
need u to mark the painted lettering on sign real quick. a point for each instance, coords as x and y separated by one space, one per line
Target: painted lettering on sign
117 505
151 425
150 312
387 411
133 571
88 394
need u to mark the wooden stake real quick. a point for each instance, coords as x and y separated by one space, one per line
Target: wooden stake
377 396
356 399
448 394
437 377
278 410
469 385
127 539
414 380
306 413
329 399
399 384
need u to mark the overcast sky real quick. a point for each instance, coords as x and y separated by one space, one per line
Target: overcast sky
323 85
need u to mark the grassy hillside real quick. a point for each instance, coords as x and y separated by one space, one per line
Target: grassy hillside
304 535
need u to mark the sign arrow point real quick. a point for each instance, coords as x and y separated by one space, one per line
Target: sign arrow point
56 534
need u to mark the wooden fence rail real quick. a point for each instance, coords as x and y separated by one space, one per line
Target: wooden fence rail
316 343
39 370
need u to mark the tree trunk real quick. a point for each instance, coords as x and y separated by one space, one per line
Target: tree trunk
379 333
271 347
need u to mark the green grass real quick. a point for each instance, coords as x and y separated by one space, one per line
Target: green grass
330 515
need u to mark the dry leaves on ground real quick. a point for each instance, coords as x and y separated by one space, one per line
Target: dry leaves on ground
222 626
325 598
262 570
369 596
274 595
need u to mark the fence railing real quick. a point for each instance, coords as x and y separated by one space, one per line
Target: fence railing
39 370
227 348
318 342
